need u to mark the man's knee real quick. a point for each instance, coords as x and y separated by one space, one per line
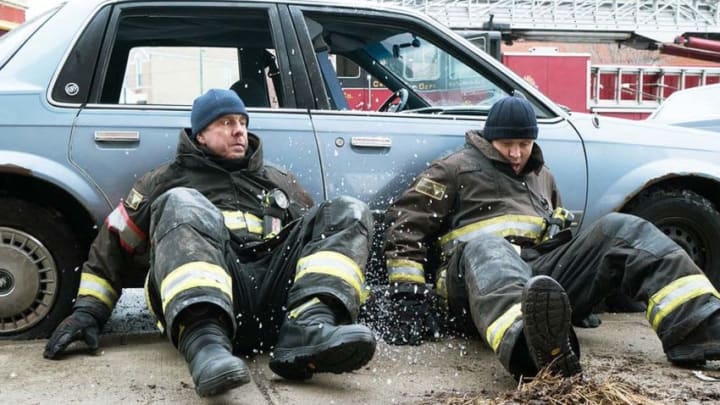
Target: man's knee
484 245
185 206
343 211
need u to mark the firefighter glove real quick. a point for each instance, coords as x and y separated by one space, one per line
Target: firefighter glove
412 317
80 325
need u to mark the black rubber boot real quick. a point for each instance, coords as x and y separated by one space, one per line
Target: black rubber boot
208 352
310 342
701 345
546 325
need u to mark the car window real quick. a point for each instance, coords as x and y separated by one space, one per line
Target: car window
170 55
369 61
153 73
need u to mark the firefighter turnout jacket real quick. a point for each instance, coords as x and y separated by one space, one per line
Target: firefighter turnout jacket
489 223
471 192
199 223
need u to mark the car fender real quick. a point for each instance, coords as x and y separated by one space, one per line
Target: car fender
632 183
78 187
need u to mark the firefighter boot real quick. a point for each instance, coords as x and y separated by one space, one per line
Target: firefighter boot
547 326
311 342
208 352
702 344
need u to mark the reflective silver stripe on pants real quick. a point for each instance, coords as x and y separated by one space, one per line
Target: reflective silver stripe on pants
193 275
497 329
336 265
400 270
675 294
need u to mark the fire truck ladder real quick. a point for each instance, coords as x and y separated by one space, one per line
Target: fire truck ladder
626 88
658 20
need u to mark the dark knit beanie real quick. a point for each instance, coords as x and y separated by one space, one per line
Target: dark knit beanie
511 117
213 104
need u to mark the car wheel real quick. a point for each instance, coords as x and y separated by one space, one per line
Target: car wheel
39 276
690 220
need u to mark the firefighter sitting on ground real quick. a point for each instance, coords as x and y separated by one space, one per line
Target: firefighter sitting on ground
239 261
491 207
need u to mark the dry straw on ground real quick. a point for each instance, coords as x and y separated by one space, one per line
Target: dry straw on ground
546 388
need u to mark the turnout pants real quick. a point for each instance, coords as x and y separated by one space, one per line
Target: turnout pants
193 261
619 252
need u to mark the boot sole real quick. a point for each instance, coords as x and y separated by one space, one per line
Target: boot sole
547 323
224 382
348 350
693 355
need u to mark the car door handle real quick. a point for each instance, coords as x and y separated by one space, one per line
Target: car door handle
371 141
117 136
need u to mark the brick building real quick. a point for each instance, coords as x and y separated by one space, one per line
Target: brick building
12 13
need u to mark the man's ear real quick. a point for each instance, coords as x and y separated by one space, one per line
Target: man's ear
200 137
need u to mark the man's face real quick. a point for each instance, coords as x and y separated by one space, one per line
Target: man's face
226 136
516 151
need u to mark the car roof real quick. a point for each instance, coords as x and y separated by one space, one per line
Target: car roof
339 3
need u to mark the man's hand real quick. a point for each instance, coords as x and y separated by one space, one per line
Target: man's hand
411 316
78 325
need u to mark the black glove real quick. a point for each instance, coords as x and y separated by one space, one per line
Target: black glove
590 321
78 325
411 315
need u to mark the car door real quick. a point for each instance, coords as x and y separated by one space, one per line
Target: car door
156 59
449 87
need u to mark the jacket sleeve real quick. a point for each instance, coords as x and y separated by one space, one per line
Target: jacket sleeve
120 247
415 220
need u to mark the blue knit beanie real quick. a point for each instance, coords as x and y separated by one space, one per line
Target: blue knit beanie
511 117
213 104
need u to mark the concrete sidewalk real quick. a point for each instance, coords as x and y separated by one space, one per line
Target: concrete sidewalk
143 368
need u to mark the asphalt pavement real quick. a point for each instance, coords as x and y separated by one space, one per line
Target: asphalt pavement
137 365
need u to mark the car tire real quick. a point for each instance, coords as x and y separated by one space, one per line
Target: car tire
689 219
39 273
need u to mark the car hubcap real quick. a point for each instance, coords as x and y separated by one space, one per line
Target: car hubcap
28 281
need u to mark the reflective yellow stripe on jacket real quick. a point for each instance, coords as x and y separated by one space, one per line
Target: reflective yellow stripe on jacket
497 329
525 226
235 220
336 265
97 287
675 294
408 271
193 275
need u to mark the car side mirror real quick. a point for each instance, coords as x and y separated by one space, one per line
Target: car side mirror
415 43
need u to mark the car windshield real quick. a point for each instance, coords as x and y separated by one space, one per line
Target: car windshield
13 40
436 76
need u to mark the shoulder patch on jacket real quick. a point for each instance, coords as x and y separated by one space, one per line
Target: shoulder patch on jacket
133 199
430 188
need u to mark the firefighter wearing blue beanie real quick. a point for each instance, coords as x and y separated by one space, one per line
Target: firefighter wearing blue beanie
213 104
